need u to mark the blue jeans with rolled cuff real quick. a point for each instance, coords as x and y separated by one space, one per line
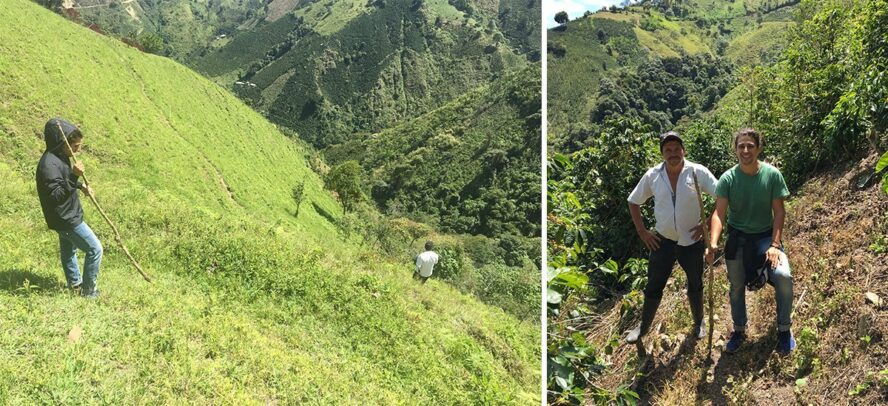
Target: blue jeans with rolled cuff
781 278
82 238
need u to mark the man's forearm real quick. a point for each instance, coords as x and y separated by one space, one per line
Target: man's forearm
635 212
715 230
777 234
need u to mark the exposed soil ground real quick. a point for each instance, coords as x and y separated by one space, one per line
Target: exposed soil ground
836 238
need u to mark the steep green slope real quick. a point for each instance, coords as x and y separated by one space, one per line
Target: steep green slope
348 67
602 43
473 164
250 305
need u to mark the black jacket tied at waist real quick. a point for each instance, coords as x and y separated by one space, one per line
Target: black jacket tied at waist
753 248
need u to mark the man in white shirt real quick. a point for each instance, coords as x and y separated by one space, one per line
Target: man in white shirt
678 229
425 263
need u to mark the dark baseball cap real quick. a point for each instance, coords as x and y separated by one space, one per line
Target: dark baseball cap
669 136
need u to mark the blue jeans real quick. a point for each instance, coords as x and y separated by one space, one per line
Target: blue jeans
780 277
83 238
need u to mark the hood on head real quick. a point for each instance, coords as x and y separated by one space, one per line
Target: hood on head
53 137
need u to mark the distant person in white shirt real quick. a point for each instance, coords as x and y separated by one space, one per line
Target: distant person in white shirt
425 263
678 229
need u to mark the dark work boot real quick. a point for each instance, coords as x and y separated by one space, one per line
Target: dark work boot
695 299
649 310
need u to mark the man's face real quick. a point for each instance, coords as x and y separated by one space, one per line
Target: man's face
75 143
747 151
673 153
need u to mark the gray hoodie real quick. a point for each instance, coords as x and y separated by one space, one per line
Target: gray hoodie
57 185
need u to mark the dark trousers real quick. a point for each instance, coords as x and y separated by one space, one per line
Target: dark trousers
421 279
660 264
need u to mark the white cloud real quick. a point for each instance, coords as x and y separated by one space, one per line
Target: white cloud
574 8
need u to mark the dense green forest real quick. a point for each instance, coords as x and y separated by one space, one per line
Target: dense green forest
472 164
820 103
258 269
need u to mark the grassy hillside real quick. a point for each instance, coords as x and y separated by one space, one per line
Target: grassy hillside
250 304
353 66
603 43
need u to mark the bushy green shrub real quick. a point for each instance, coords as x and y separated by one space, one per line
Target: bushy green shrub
709 142
604 174
482 250
515 290
346 180
452 263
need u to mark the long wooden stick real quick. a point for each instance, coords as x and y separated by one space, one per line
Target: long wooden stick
706 240
102 212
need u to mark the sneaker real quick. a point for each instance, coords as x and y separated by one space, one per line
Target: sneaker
699 330
737 338
633 334
785 342
90 295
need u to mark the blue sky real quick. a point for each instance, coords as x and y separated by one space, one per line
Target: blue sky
574 8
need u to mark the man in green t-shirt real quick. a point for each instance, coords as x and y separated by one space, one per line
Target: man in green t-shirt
751 194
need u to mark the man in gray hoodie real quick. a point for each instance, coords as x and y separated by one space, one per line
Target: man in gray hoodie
57 186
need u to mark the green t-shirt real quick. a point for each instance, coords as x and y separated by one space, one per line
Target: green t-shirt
750 197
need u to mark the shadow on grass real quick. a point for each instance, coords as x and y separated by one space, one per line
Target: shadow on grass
655 377
13 281
324 213
752 356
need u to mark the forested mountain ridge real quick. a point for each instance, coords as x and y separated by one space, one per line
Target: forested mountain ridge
660 61
188 29
364 67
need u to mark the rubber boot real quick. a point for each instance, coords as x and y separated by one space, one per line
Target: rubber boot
695 299
649 310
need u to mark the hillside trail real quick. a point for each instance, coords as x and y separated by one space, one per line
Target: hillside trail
835 238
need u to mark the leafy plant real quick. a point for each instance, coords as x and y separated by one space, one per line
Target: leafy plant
879 379
807 361
298 196
880 166
562 281
570 365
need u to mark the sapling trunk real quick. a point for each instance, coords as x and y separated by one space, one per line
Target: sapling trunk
706 240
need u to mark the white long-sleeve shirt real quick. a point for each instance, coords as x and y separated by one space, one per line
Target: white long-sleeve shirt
425 262
675 213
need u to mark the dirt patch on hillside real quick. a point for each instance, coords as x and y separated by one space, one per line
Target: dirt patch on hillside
280 8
